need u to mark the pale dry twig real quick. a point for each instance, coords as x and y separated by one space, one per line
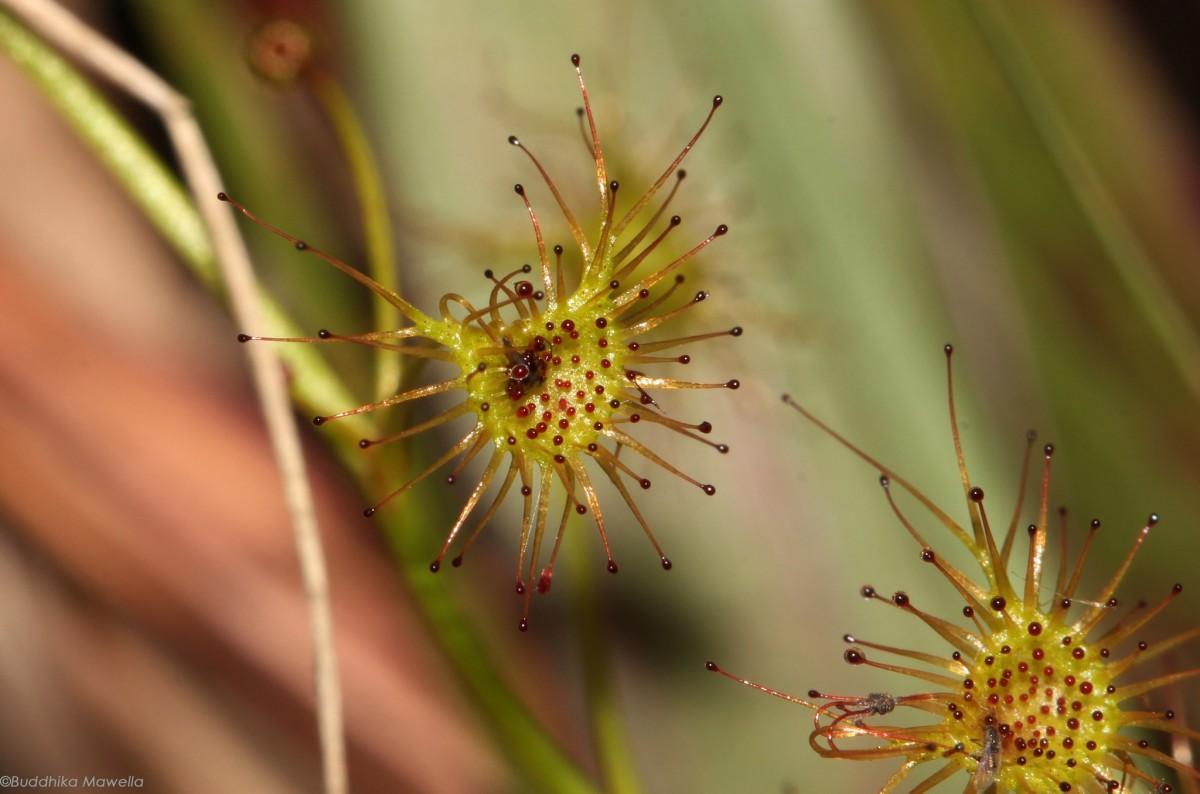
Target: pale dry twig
92 50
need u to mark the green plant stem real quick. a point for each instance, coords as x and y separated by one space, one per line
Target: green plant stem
100 127
149 184
166 204
533 754
314 387
376 219
613 754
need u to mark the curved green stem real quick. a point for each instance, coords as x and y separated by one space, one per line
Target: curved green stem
147 181
617 769
376 219
535 755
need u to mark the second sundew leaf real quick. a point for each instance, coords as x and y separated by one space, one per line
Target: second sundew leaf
1035 692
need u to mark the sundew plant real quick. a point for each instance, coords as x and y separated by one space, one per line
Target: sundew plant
561 378
1043 682
1015 178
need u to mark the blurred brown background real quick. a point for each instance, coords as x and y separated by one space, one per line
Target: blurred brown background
889 189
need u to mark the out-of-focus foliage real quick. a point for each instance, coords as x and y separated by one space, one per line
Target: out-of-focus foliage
1017 180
